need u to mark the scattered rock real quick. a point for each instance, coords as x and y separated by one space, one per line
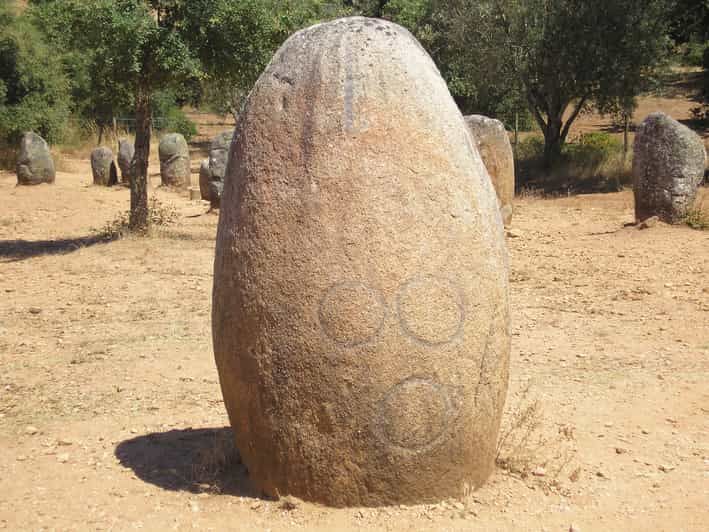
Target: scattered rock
63 458
34 163
666 468
35 310
574 528
620 450
649 222
64 442
539 472
21 458
256 505
31 431
514 233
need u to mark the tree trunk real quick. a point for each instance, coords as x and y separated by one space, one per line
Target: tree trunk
139 181
552 141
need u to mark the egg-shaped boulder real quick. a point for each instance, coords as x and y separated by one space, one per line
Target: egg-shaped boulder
174 156
126 152
103 168
669 160
493 143
360 301
218 154
35 164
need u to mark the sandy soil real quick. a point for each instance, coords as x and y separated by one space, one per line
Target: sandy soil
111 416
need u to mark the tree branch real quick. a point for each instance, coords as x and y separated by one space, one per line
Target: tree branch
574 115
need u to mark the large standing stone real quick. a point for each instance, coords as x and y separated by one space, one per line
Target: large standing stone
360 302
103 168
174 160
495 149
668 165
126 152
34 164
218 154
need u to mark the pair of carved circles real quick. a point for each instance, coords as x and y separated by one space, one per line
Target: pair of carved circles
414 413
430 311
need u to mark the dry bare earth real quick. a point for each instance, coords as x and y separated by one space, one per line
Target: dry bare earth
111 415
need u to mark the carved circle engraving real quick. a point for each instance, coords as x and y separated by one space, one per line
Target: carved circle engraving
415 414
352 313
431 310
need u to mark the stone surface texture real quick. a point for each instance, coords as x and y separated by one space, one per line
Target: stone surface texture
103 168
218 154
35 164
360 300
126 152
205 176
174 160
669 161
493 143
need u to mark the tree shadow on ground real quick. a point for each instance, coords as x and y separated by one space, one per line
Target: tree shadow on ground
193 460
17 250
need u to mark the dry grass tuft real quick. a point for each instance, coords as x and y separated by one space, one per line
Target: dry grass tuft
528 447
160 215
698 217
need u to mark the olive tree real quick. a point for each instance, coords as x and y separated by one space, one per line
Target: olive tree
566 55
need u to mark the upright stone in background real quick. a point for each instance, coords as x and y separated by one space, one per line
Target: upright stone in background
360 301
34 164
205 176
126 152
211 171
668 164
174 160
218 154
103 168
495 149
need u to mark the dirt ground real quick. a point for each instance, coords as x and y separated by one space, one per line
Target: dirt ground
111 415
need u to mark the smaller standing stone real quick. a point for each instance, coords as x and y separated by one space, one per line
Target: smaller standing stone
493 143
205 176
103 168
216 188
668 164
126 152
174 160
219 154
34 164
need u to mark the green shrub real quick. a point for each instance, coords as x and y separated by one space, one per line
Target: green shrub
34 92
593 162
170 117
695 53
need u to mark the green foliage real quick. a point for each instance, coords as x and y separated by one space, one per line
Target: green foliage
164 105
561 56
594 162
694 53
689 20
34 91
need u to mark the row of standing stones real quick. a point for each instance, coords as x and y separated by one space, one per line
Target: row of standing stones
36 165
668 165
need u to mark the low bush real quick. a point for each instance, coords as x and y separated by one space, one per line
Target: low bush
594 162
